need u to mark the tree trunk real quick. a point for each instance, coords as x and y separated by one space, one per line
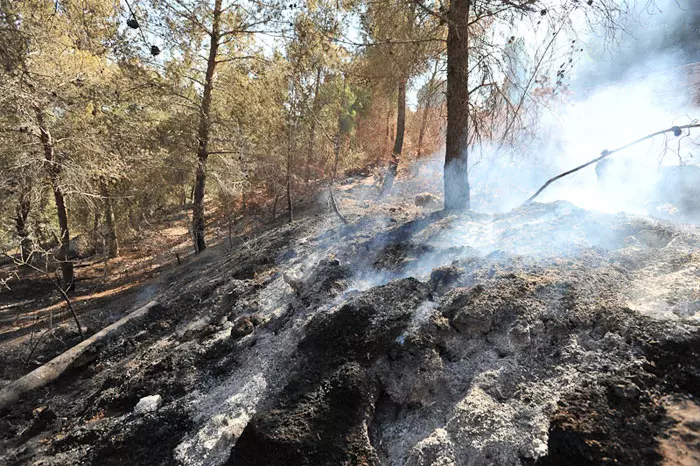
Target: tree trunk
312 130
53 171
456 145
203 134
22 210
398 142
111 236
292 127
290 202
387 137
274 207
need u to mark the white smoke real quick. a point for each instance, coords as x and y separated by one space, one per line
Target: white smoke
617 93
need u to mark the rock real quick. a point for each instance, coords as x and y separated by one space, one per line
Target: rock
427 200
148 404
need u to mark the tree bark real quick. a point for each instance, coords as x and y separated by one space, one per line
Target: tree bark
456 174
274 207
22 210
111 236
387 138
312 130
203 133
290 201
53 172
43 375
291 148
398 141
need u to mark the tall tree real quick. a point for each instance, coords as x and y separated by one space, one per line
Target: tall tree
456 173
221 27
59 57
53 170
204 130
485 99
403 38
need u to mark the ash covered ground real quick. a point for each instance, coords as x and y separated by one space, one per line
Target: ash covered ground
548 335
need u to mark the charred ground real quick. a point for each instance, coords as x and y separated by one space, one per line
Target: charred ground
548 335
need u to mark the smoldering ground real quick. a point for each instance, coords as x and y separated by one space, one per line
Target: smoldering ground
544 334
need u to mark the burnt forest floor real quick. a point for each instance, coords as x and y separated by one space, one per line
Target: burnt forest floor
547 335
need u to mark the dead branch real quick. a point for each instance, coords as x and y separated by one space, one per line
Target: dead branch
607 153
53 369
335 206
336 149
54 282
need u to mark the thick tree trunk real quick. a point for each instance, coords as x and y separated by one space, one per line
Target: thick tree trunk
456 144
53 171
203 134
398 141
43 375
23 208
312 129
111 235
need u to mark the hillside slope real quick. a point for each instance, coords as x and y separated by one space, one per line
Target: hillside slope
549 335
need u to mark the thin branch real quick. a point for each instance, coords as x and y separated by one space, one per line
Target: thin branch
432 12
608 153
64 295
246 57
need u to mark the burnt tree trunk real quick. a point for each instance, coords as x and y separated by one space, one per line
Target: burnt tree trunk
387 138
421 131
290 201
203 133
274 206
112 242
398 141
312 129
456 173
291 147
53 171
22 210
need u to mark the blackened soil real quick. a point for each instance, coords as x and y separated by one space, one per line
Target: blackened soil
324 412
620 421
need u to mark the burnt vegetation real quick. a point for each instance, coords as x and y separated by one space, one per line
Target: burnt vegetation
391 232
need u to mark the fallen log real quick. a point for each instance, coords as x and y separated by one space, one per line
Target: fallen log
676 130
53 369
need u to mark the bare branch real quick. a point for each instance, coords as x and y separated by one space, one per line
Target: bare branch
608 153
